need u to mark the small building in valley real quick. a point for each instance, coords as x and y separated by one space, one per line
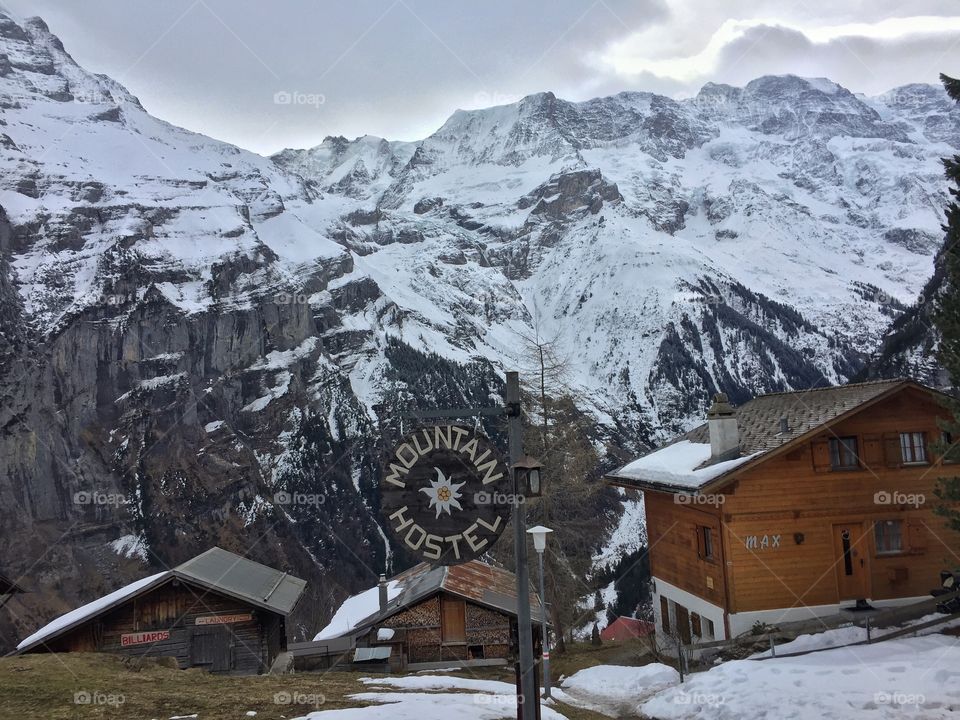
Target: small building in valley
623 629
218 611
793 506
429 616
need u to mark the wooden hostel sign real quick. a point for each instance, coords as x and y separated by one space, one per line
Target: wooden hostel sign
143 638
445 493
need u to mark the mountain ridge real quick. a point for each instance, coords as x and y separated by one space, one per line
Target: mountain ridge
200 330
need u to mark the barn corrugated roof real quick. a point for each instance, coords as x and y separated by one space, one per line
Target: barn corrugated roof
245 579
758 422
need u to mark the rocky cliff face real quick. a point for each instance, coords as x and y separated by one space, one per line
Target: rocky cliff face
193 338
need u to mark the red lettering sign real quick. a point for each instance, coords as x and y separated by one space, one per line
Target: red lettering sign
143 638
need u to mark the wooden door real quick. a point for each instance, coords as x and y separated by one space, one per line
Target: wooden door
211 649
850 552
453 621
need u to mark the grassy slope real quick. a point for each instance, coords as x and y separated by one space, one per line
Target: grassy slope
42 687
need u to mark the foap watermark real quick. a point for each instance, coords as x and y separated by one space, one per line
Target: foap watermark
497 498
295 97
715 499
95 497
95 697
899 699
487 699
292 298
884 497
703 699
298 698
484 99
296 498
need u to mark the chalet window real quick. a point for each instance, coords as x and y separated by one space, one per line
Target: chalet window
705 542
889 536
664 614
913 447
696 625
950 453
843 453
708 627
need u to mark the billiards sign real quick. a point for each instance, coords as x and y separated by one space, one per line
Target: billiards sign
445 494
143 638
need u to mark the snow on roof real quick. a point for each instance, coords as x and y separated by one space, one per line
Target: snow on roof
679 465
355 609
87 611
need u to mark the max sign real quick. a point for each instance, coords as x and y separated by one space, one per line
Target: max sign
445 494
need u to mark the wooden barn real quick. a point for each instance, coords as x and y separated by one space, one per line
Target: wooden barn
218 611
428 616
795 506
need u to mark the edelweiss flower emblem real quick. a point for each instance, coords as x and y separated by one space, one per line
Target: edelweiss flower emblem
443 494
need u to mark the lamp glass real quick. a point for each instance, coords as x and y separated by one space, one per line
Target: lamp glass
534 480
539 537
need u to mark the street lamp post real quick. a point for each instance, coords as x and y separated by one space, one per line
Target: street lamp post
540 544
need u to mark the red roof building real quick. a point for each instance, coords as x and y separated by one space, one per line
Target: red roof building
624 628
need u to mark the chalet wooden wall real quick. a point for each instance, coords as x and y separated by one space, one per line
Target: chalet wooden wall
176 608
797 493
675 555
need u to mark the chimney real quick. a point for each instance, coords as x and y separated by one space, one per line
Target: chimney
724 432
784 426
383 592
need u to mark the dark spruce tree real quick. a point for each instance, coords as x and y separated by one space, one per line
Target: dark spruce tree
947 318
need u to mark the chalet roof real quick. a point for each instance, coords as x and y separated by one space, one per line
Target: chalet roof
216 569
683 464
475 581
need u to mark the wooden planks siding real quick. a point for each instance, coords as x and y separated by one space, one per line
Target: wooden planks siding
176 608
675 555
798 498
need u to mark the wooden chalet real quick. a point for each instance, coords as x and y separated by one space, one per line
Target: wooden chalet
429 616
218 611
794 506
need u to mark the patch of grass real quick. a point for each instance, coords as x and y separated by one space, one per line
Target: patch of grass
583 655
45 686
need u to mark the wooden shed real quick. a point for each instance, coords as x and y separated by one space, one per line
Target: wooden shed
428 616
218 611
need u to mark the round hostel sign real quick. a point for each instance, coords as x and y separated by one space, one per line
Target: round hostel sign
445 494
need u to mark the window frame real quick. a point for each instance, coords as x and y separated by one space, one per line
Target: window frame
839 448
913 448
878 536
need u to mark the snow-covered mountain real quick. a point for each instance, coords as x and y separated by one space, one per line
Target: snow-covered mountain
194 337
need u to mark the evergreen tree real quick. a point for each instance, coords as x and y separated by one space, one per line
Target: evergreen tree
947 318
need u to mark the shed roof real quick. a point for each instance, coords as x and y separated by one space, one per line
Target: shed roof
216 569
684 463
475 581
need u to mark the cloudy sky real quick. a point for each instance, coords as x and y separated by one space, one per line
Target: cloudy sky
268 74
